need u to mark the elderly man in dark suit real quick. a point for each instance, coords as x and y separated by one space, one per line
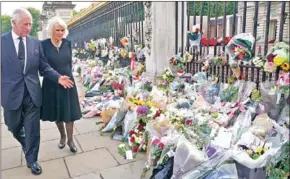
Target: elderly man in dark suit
21 60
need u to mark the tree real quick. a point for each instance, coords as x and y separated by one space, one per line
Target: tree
5 23
220 9
35 16
75 13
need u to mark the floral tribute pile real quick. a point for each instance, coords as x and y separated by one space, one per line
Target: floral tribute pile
192 126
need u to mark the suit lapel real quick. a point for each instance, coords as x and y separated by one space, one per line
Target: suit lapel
10 45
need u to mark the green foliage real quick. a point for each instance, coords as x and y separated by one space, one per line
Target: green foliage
5 23
280 167
35 16
75 13
220 9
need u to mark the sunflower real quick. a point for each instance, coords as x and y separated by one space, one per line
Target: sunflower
285 66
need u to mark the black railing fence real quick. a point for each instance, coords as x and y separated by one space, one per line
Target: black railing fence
220 21
115 19
268 22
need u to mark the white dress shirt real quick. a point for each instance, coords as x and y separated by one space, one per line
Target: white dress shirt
16 44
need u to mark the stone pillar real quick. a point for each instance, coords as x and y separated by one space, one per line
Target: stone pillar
159 36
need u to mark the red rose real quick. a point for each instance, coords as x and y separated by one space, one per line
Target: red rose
140 127
155 142
131 133
132 139
135 148
197 29
188 122
157 114
161 145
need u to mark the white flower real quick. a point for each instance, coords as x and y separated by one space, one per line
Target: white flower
122 146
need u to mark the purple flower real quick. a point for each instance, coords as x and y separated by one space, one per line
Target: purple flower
210 151
142 110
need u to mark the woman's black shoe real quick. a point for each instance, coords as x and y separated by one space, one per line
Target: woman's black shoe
72 147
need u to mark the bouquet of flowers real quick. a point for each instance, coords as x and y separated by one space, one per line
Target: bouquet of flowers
278 57
122 148
177 62
259 61
194 36
137 138
240 48
156 149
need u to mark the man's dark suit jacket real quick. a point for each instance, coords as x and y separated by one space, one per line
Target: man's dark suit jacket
12 77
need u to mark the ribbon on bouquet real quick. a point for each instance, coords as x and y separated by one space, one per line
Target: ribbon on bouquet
241 106
133 63
237 106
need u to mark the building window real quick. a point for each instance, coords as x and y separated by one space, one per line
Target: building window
272 30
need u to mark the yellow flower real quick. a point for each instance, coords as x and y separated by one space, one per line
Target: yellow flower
285 66
279 60
249 151
259 149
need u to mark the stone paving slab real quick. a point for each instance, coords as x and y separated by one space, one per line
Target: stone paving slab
49 151
5 132
121 160
127 171
88 162
84 126
52 134
93 175
93 141
54 169
9 142
47 125
11 158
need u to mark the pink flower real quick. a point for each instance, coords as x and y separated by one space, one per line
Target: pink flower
241 56
271 65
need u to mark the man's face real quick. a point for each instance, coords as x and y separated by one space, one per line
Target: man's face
22 26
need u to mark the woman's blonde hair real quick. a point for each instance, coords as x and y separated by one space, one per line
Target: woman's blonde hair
56 21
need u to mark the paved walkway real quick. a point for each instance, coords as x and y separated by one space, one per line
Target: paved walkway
97 156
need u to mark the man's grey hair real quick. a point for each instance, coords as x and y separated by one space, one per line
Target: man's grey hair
18 12
56 21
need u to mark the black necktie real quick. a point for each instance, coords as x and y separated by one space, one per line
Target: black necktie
21 52
21 49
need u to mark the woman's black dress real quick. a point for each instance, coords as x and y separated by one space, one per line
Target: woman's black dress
58 103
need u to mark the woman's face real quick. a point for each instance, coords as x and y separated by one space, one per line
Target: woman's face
58 32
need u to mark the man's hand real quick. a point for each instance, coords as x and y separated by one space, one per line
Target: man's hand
65 82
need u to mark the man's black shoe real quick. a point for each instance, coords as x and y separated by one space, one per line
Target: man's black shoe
35 168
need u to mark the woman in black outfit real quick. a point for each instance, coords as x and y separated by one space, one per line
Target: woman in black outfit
60 105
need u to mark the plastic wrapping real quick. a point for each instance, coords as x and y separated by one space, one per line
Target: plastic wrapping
186 157
241 125
130 121
226 171
272 100
210 165
248 139
117 118
209 92
284 116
